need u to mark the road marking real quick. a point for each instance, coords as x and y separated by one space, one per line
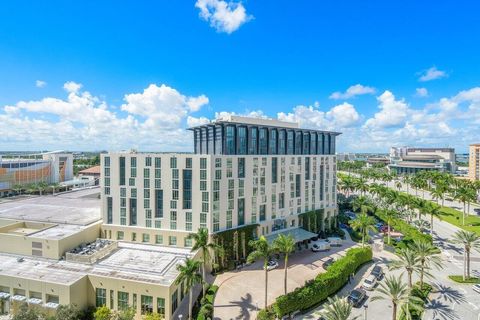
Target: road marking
474 306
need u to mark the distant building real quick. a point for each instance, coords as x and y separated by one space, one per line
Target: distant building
408 160
91 174
474 162
51 167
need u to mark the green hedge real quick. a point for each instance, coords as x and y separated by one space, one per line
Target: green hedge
459 279
206 309
419 292
324 285
410 233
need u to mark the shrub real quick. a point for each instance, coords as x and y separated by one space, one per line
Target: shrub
206 308
324 284
421 293
266 314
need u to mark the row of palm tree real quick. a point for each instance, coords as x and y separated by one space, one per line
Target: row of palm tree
32 188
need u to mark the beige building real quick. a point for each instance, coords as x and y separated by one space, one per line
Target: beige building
474 162
51 255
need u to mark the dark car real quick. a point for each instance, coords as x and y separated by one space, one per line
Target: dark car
328 263
377 271
356 297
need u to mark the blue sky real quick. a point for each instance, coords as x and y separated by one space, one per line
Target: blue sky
111 75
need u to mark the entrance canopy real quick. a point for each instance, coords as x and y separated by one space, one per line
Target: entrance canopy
298 234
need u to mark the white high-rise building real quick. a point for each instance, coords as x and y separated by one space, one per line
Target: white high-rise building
243 172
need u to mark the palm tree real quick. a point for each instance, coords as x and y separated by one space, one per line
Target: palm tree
261 250
408 261
428 256
398 185
201 239
190 277
463 196
286 245
433 210
394 290
469 240
337 309
364 224
18 188
361 185
437 194
362 204
389 215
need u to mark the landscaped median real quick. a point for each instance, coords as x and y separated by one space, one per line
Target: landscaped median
319 289
460 279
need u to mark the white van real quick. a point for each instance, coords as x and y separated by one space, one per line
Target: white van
320 246
335 241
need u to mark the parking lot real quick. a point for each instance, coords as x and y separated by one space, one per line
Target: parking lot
241 292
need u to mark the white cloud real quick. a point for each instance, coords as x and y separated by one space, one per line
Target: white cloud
194 122
72 86
40 84
392 112
223 16
421 92
353 91
432 74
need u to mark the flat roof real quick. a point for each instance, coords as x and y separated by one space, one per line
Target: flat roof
412 164
94 169
134 262
73 208
299 234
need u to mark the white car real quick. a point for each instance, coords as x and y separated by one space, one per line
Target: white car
320 246
272 264
334 241
476 288
369 283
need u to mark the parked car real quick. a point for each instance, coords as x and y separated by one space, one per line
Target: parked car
334 241
320 246
356 297
377 272
476 288
272 264
350 214
328 263
369 283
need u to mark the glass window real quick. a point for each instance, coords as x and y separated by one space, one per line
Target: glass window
172 240
263 142
146 304
174 301
242 140
145 237
298 142
122 300
188 163
241 167
159 239
273 141
203 163
106 161
148 161
241 211
281 141
230 140
252 146
161 306
313 143
188 242
290 142
122 170
173 163
120 235
101 297
158 162
274 169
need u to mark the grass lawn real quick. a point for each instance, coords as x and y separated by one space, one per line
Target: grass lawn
472 223
459 279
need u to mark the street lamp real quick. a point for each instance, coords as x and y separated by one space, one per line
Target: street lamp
365 307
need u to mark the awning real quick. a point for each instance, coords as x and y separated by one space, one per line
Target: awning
4 295
18 297
51 305
299 234
35 301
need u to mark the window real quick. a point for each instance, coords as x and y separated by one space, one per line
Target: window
262 212
120 235
134 236
281 200
145 237
218 174
188 221
122 170
229 219
313 143
241 211
188 242
290 142
187 189
101 297
230 140
106 161
252 146
218 139
133 192
172 240
173 220
262 138
298 142
173 163
133 212
122 300
307 168
188 163
133 172
146 304
159 239
241 167
133 162
297 185
158 203
306 143
158 162
273 141
203 163
274 170
174 301
161 306
242 140
109 210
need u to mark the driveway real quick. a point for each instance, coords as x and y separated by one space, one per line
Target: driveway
241 293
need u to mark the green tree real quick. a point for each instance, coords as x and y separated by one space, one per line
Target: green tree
261 250
26 313
434 211
362 204
463 195
152 316
102 313
202 243
390 216
408 261
286 245
468 240
428 256
364 224
337 309
126 314
190 277
398 293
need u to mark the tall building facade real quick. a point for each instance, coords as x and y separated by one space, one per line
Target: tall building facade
244 171
474 162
